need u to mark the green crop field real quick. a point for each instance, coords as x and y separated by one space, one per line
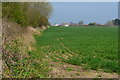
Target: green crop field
93 48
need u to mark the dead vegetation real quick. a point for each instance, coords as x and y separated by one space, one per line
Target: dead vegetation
17 41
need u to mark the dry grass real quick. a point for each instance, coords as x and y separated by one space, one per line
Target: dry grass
16 42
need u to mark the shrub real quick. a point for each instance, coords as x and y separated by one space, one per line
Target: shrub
27 14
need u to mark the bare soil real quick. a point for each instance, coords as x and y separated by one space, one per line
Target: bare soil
65 70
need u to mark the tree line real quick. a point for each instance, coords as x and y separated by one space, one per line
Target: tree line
115 22
27 13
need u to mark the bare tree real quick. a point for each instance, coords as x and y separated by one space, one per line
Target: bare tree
109 23
81 23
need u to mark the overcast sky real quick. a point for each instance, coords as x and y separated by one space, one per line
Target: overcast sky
99 12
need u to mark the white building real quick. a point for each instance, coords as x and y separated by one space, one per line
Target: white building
66 25
56 25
